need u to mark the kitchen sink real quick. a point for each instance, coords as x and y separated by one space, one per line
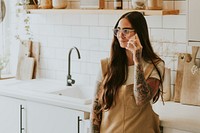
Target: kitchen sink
74 94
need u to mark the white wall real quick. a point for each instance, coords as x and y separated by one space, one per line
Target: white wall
92 34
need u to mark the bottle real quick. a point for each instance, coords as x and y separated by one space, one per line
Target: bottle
118 4
101 4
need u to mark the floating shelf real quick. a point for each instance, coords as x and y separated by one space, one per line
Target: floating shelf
100 11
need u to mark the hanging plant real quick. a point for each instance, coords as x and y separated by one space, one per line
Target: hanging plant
26 21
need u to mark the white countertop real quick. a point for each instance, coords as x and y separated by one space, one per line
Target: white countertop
39 90
178 116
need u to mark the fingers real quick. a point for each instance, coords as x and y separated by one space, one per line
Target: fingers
134 42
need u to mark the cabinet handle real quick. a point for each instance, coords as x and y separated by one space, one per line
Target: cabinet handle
79 120
21 128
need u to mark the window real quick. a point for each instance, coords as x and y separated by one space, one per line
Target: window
4 58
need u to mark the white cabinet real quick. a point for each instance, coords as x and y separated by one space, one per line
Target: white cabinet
20 116
43 118
12 115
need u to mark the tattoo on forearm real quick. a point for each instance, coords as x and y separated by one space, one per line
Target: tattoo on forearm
138 56
96 113
142 91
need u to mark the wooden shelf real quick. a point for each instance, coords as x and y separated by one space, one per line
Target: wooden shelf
100 11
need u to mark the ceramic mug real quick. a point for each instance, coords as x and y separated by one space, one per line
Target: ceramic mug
45 4
59 4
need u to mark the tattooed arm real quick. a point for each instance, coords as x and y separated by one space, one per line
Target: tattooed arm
96 112
144 90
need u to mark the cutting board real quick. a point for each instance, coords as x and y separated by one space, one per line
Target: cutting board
25 68
182 58
24 49
35 53
25 63
190 93
167 85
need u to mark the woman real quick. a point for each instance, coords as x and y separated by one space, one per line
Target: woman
131 78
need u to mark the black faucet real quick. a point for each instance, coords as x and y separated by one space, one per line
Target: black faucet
71 81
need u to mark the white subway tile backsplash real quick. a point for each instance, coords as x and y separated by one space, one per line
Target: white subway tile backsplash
55 64
37 18
54 19
80 31
84 68
50 74
105 45
154 21
168 49
93 68
174 21
156 35
46 52
34 29
62 76
90 19
61 53
71 19
85 55
62 30
96 56
46 29
70 42
75 66
172 49
43 63
173 75
56 42
158 47
39 38
168 35
99 32
180 36
169 62
108 19
42 73
90 44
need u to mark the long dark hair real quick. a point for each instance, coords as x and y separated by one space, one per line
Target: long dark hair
118 65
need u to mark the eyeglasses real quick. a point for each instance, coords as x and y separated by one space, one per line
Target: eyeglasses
125 32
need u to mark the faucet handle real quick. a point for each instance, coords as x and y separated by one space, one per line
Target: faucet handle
71 81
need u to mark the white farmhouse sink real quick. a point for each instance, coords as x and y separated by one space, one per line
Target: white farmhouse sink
75 94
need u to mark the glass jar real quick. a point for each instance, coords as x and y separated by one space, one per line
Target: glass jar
138 4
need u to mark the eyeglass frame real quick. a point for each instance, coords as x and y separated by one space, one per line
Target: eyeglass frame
116 31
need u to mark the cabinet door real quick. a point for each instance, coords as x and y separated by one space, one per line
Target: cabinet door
11 120
43 118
